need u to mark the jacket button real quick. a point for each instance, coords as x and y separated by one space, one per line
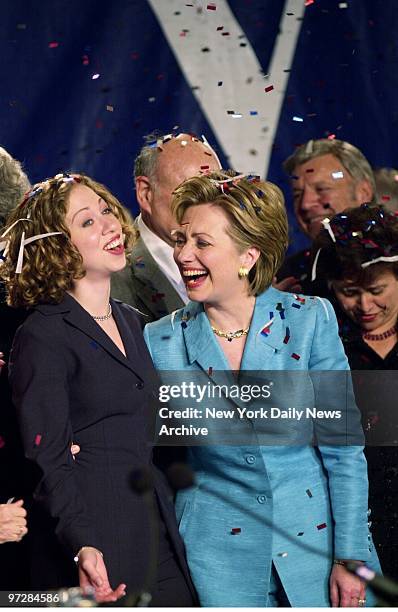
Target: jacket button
139 385
261 499
250 459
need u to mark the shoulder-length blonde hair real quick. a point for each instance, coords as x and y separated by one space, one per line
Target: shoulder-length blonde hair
52 264
256 213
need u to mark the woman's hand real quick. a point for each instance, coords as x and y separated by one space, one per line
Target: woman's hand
92 573
2 362
346 590
12 522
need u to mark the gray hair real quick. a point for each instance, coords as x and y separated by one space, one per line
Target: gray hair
145 163
387 187
351 158
13 184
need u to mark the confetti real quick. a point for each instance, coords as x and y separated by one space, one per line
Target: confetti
211 7
252 113
283 554
237 116
321 526
236 530
85 60
95 76
219 83
220 28
337 175
308 2
109 108
296 305
53 45
204 167
343 5
287 336
37 440
152 99
269 88
295 118
2 442
265 331
308 492
165 337
210 371
300 533
295 356
331 136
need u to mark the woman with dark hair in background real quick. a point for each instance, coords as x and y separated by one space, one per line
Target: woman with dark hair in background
357 253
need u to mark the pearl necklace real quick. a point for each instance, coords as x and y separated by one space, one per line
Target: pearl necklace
375 337
230 335
104 317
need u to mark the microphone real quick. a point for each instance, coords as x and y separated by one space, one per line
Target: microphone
142 482
181 476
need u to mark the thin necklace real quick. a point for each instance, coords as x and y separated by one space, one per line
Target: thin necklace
375 337
104 317
230 335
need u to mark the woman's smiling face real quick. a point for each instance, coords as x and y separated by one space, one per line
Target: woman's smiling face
374 306
208 258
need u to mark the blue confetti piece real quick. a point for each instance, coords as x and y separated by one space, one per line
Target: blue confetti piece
296 305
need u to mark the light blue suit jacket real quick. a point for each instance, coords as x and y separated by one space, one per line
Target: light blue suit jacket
317 496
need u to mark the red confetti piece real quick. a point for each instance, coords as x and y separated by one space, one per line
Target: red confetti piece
321 526
236 530
310 170
37 440
211 7
295 356
308 2
269 88
204 167
85 60
53 45
2 442
331 136
385 198
210 370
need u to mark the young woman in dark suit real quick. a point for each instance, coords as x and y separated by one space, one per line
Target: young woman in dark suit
80 372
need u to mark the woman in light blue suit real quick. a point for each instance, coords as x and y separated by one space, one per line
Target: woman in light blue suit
263 525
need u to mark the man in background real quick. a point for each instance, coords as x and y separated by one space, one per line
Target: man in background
151 282
13 469
327 176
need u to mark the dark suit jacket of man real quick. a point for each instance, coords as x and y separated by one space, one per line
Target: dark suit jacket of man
143 285
71 383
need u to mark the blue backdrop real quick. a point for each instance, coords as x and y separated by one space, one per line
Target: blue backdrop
343 80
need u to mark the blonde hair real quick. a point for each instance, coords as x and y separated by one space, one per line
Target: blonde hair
256 213
52 264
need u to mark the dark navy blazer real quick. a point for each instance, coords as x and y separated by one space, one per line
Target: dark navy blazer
71 383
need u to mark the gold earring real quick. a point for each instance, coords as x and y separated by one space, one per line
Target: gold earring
243 272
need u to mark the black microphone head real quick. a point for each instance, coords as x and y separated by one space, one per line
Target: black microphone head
180 476
141 480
